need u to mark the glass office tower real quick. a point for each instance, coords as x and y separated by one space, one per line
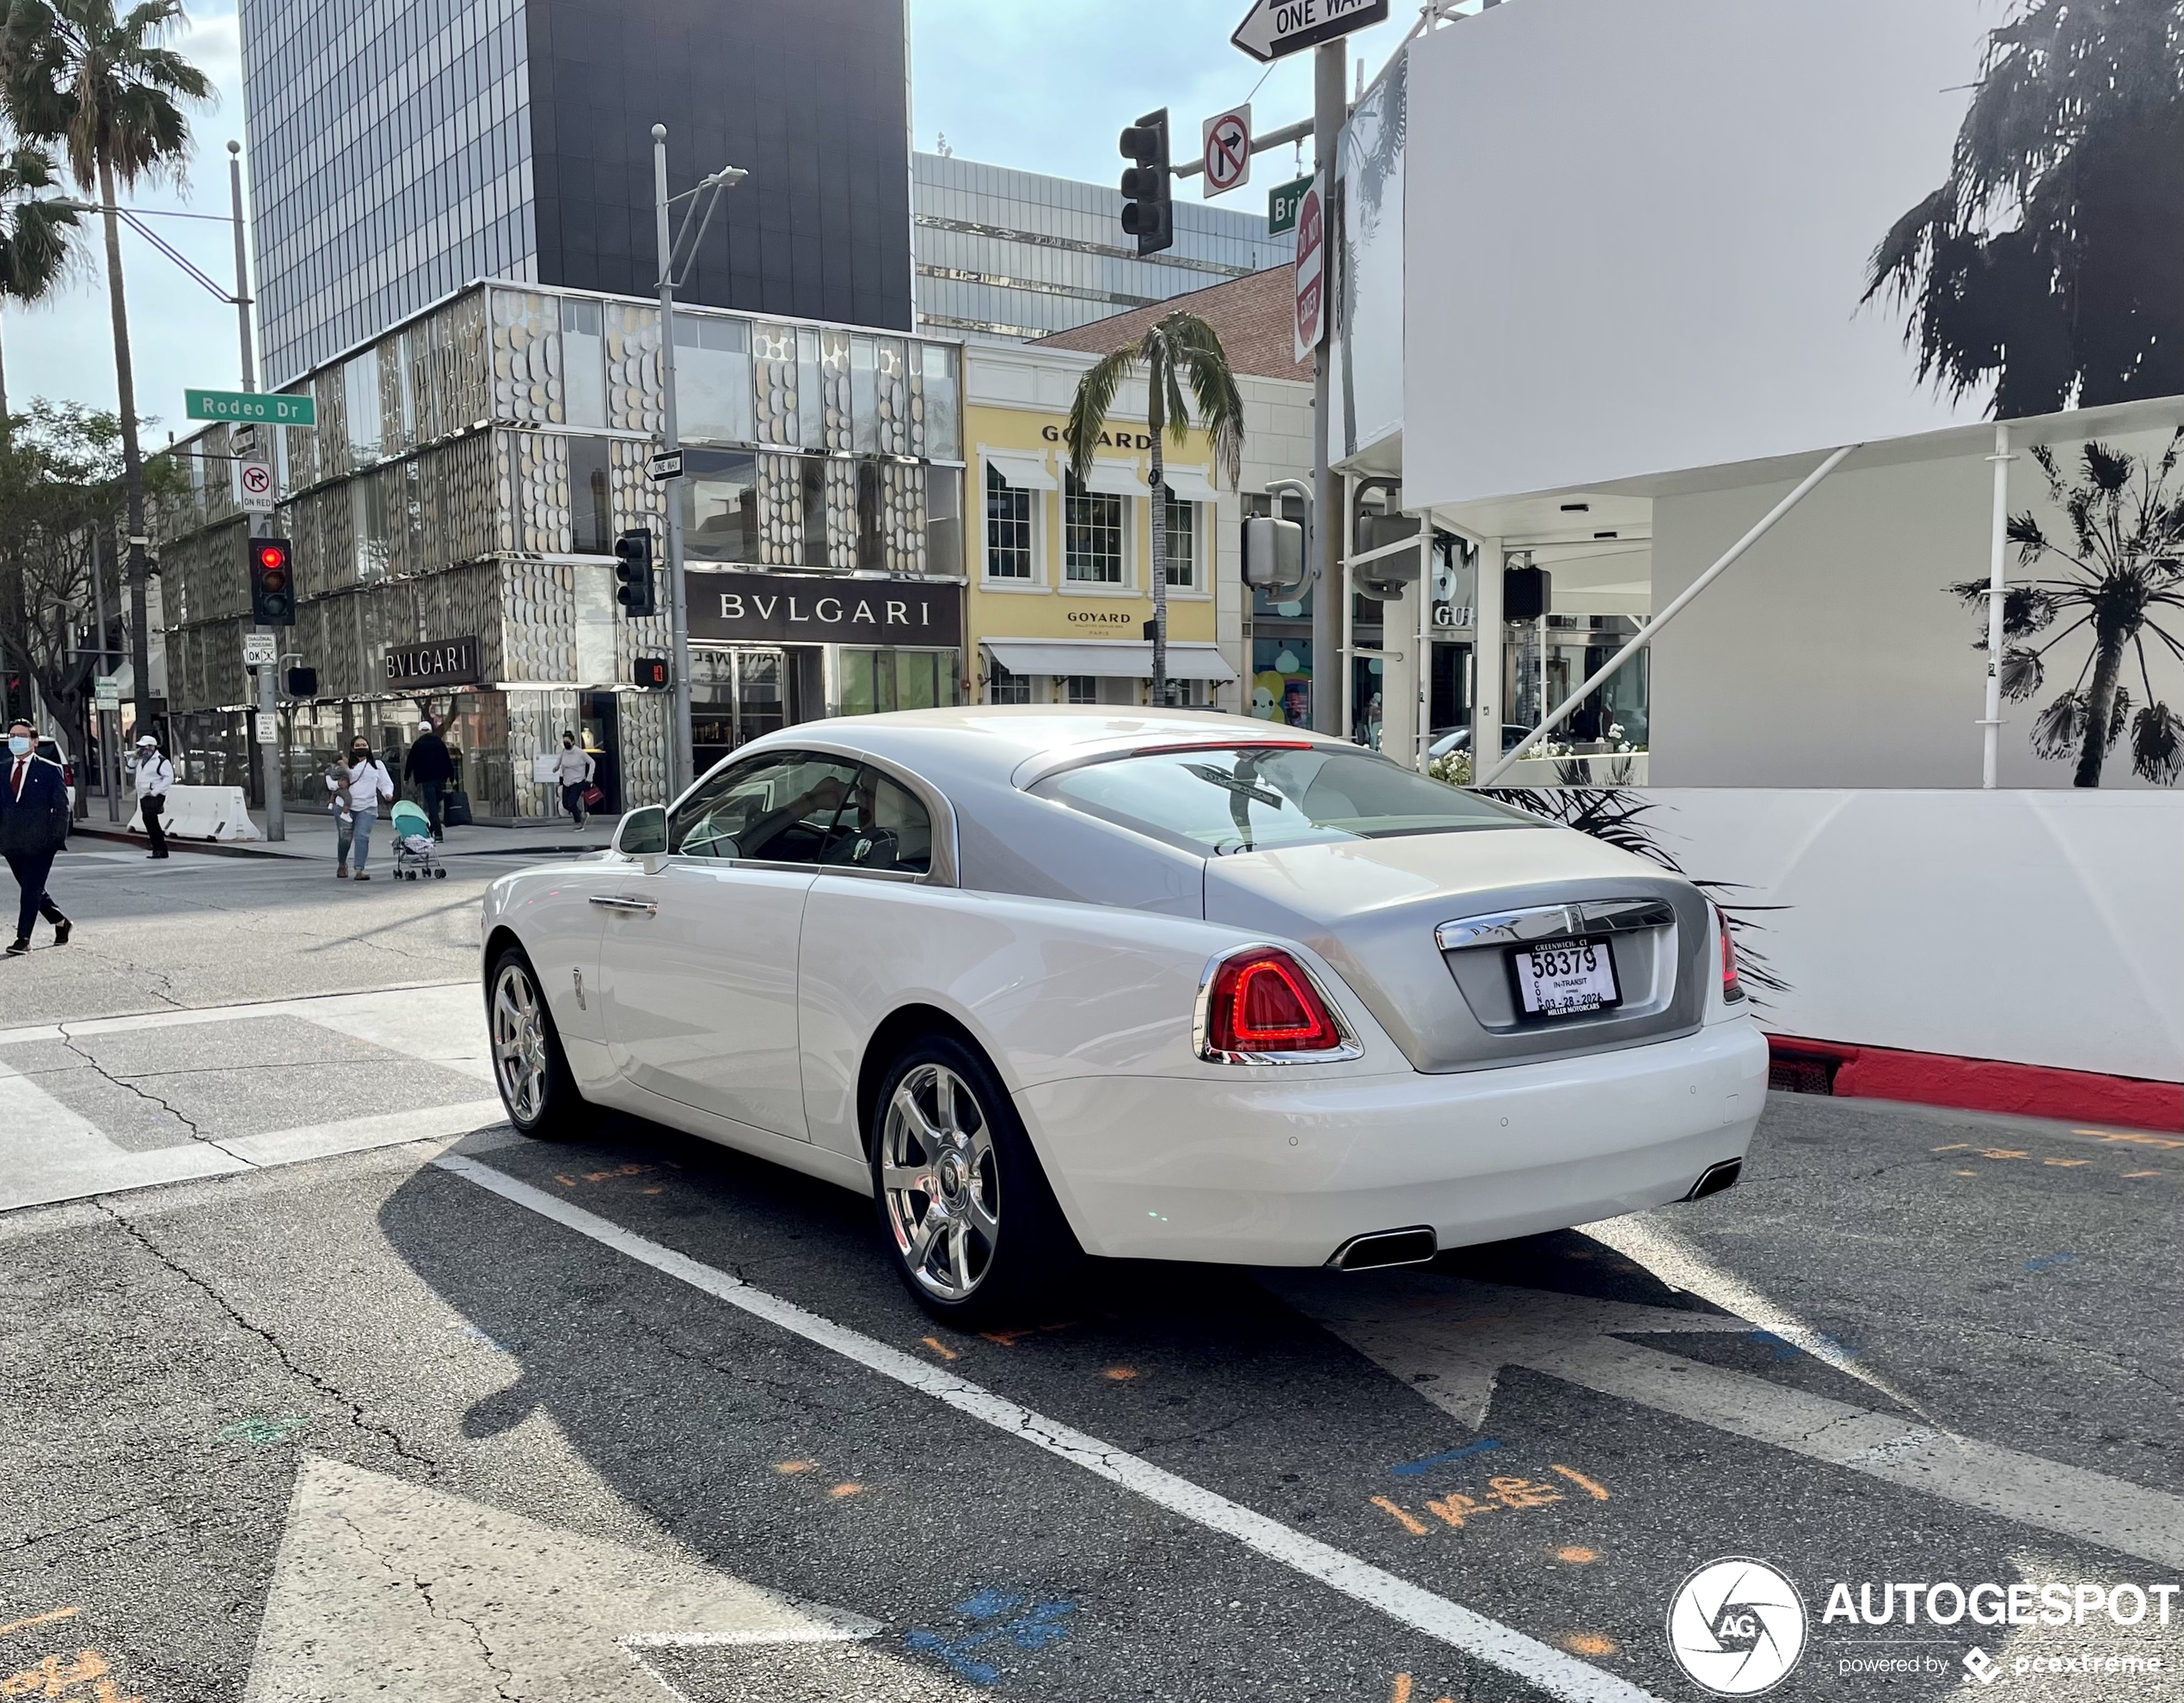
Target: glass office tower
399 152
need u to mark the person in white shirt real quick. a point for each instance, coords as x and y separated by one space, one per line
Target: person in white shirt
574 768
154 775
359 787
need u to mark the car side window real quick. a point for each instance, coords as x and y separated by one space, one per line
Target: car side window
778 808
883 825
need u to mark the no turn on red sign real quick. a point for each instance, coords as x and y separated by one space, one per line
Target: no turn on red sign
1312 268
1228 150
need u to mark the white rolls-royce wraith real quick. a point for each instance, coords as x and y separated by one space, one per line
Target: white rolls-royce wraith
1053 982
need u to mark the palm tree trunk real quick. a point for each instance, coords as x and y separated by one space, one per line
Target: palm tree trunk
1156 491
2100 705
132 460
3 397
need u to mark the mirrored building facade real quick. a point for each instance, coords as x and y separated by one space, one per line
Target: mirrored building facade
398 152
454 514
1014 256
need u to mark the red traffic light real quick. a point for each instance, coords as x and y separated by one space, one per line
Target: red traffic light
272 555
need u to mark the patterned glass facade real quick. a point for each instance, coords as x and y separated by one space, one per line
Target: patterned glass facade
1004 254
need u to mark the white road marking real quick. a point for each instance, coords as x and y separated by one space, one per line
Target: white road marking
359 1134
1457 1332
1540 1665
316 1009
49 1152
406 1594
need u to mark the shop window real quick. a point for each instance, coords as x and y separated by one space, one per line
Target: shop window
1004 688
943 520
811 398
873 681
712 379
943 416
591 501
872 537
1081 689
864 397
1092 535
584 362
1182 544
368 523
719 500
360 405
1009 519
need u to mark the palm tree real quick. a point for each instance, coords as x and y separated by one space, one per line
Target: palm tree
100 84
2124 561
1179 351
33 236
2073 128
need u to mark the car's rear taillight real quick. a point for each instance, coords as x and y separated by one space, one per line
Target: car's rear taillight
1732 988
1262 1000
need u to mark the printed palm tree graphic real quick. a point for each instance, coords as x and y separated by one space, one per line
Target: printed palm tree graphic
2076 128
2121 565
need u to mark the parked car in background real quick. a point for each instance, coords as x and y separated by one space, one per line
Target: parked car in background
52 751
1450 739
1054 982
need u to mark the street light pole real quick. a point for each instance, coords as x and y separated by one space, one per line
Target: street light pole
269 764
679 762
1330 587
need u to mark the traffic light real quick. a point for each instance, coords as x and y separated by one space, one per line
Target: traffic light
1148 210
302 683
633 583
273 582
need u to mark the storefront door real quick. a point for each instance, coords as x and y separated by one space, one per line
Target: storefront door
736 695
599 727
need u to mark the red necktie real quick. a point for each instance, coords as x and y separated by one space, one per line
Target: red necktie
22 767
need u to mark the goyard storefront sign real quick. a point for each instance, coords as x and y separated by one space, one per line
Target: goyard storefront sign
443 662
787 608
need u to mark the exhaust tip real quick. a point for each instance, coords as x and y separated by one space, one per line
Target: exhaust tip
1716 1178
1413 1246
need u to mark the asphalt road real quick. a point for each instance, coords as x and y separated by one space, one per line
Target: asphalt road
348 1413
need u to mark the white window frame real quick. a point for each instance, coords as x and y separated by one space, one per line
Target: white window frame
1036 510
1127 585
1196 586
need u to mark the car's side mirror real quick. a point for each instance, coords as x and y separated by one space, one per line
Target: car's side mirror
642 832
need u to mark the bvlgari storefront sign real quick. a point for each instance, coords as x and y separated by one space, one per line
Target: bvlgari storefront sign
444 662
796 609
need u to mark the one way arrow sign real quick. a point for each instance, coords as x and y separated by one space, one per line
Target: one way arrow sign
1274 28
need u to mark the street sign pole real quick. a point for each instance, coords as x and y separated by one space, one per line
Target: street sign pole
1330 667
679 744
257 499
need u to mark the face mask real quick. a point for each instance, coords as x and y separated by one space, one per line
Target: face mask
18 745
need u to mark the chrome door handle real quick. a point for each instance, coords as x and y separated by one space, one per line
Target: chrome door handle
648 906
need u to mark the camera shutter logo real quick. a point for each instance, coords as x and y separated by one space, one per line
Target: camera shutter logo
1736 1626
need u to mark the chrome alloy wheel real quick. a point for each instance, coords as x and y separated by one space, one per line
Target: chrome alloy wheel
941 1181
519 1057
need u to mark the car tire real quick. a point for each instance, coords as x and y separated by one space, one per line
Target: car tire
983 1239
528 1067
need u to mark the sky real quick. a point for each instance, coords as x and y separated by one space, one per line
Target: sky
1041 85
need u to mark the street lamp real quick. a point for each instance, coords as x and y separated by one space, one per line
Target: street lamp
678 251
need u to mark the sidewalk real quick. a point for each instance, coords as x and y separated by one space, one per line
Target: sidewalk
310 836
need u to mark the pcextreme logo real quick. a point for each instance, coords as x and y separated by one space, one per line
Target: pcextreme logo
1736 1626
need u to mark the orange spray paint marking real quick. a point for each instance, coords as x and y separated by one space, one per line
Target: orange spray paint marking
52 1676
843 1490
1577 1554
566 1182
2005 1153
45 1620
1953 1147
2137 1141
1408 1521
1122 1375
2065 1163
1596 1491
796 1465
2141 1174
1402 1692
940 1348
1968 1173
1589 1644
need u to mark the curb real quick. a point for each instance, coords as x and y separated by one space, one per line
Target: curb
1974 1084
247 848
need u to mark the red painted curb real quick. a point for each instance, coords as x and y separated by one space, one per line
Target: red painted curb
1990 1085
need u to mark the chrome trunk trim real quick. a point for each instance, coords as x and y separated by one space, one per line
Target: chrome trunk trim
1554 922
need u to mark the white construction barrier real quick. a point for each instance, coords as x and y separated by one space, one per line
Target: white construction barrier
203 813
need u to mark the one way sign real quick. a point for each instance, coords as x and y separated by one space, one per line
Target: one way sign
1274 27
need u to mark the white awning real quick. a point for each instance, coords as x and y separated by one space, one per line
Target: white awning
1116 478
1022 468
1114 659
1188 485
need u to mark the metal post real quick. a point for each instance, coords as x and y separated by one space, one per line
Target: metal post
1330 583
1644 636
1997 566
1486 659
1425 728
109 759
241 266
269 764
679 762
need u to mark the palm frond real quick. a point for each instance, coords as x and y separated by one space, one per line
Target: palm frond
2060 730
2023 673
1094 397
2157 745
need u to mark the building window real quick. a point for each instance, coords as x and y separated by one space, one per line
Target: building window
713 395
360 405
1009 529
1081 689
584 362
591 502
1092 536
1182 544
871 681
719 498
943 520
943 435
1004 688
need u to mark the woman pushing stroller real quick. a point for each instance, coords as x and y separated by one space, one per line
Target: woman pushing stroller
357 788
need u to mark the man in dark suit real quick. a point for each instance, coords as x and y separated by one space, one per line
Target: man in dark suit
429 765
33 827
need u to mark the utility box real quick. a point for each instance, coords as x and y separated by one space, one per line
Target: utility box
1525 593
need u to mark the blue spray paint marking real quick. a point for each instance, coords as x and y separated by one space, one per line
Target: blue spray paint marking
1039 1625
2050 1261
1411 1469
1823 1346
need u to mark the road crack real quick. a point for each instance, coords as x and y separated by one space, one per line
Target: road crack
129 1085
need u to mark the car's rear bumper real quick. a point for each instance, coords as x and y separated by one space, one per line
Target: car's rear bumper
1275 1172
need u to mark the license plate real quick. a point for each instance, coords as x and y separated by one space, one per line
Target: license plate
1565 978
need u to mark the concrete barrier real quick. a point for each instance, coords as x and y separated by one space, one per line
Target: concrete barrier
204 813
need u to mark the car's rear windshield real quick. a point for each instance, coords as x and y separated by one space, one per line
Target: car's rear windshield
1219 800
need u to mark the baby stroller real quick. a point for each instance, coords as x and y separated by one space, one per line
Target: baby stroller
414 858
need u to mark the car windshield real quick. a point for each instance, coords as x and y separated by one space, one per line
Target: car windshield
1218 800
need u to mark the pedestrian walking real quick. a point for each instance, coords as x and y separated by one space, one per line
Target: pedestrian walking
357 789
574 768
429 769
154 775
33 827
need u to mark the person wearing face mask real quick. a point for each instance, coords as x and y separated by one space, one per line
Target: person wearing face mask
360 786
574 768
33 827
154 775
